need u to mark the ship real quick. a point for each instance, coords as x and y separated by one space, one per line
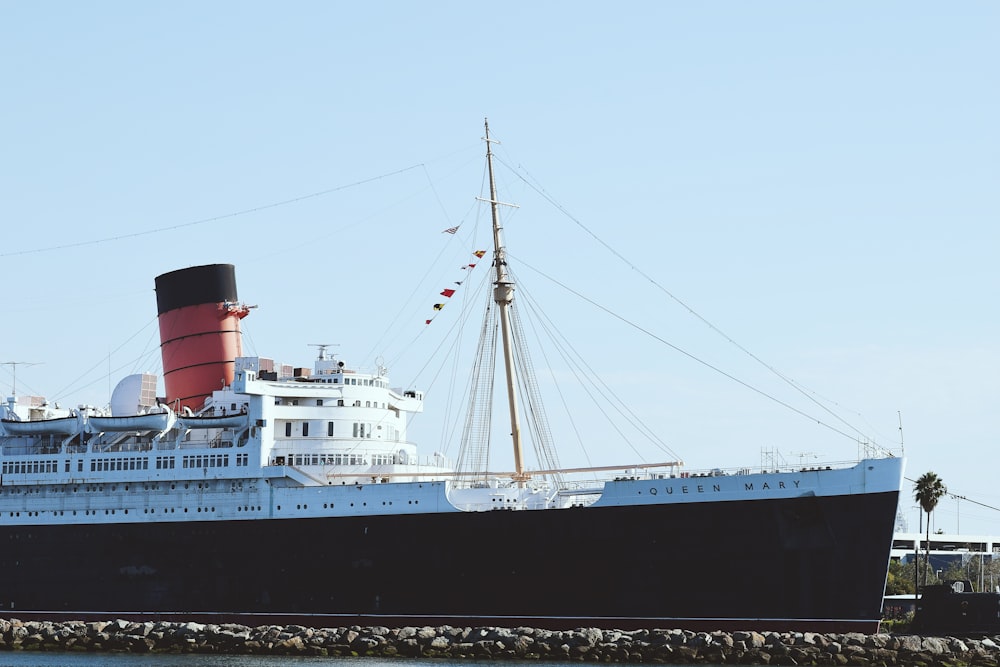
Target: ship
258 492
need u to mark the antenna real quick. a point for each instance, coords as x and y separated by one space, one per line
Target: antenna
805 455
902 450
322 349
13 366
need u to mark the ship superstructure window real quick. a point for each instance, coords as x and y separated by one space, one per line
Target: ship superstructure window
350 460
305 429
125 463
288 429
329 429
165 462
25 467
205 461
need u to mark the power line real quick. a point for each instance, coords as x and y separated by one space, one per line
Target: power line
203 221
957 496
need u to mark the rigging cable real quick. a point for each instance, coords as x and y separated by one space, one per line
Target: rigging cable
577 366
688 354
216 218
541 192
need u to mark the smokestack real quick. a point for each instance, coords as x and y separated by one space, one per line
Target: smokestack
199 320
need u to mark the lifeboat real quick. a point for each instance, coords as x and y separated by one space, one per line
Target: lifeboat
154 421
213 421
57 426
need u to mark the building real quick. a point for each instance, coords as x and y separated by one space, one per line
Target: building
947 549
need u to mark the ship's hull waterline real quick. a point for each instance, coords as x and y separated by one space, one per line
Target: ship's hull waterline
807 563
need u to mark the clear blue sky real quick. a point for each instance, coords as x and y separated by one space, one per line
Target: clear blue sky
816 180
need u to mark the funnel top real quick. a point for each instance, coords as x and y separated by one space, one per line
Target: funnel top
195 285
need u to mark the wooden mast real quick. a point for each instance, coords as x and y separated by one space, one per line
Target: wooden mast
503 295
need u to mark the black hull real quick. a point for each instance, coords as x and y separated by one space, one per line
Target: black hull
809 563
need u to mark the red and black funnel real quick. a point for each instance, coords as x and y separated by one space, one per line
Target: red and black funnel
199 319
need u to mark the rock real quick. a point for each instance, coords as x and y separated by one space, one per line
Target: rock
523 645
677 647
854 639
191 628
933 645
592 636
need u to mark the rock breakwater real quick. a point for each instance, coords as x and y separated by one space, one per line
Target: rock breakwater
490 643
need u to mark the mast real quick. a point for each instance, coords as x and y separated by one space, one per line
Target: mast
503 295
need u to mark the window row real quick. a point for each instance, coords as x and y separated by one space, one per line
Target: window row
340 403
340 459
206 461
43 466
29 467
130 463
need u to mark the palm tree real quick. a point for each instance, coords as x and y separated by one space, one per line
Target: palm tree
927 491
